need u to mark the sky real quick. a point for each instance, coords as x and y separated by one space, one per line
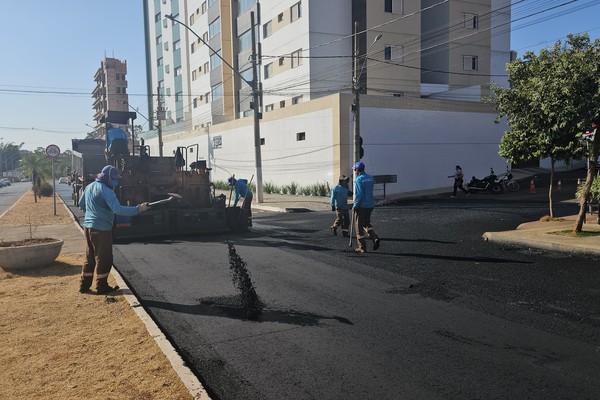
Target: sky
52 49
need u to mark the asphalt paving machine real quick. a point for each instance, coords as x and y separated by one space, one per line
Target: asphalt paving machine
179 188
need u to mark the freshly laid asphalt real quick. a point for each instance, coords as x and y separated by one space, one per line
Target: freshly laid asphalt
535 234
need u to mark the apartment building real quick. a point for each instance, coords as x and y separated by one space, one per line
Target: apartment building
429 60
110 93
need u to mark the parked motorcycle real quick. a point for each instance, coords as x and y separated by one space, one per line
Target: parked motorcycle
489 183
506 182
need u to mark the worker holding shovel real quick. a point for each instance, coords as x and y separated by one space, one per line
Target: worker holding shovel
100 204
242 189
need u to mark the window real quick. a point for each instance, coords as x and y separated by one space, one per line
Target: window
282 104
394 6
247 75
195 102
167 69
211 2
394 53
192 19
206 98
281 61
262 141
214 28
194 75
206 67
157 17
296 58
300 136
268 70
159 62
296 11
471 21
245 5
297 100
217 91
177 45
165 23
269 107
280 18
118 77
178 96
205 37
204 7
267 29
178 71
215 60
168 92
245 40
470 63
118 90
166 46
193 48
159 40
123 90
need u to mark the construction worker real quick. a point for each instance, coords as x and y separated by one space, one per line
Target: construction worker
339 204
363 207
242 190
100 205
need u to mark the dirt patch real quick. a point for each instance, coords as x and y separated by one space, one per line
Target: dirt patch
60 344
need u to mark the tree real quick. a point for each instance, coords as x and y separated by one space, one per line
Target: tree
36 160
10 154
553 98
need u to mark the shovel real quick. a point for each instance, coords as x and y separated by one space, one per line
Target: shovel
172 196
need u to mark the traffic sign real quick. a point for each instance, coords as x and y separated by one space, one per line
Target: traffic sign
52 151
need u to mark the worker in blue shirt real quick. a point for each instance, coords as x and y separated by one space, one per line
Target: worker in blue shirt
362 208
100 204
339 204
242 189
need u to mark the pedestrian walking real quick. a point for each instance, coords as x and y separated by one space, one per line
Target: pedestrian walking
362 208
100 204
339 204
242 189
458 181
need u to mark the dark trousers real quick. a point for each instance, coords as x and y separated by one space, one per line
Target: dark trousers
362 223
98 253
458 184
342 219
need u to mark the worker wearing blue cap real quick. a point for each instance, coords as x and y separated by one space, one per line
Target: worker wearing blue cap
242 189
362 208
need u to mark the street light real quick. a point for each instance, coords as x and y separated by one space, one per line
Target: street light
356 90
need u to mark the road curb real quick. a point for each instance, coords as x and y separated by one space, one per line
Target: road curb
504 238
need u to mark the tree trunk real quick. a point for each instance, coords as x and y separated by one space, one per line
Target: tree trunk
550 188
593 156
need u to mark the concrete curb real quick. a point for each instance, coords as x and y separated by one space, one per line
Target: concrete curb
539 243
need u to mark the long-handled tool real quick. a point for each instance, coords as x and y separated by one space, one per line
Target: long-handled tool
351 228
172 196
244 201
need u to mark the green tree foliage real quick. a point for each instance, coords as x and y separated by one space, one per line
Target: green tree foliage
552 100
10 155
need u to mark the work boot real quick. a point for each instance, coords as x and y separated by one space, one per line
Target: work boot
85 283
376 241
334 230
102 286
362 246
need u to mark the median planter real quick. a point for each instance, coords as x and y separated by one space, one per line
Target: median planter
29 254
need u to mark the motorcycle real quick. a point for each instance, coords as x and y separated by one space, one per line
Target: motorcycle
489 183
506 182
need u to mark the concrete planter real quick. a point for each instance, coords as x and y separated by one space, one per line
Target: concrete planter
16 256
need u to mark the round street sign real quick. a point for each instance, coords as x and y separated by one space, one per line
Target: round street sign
52 151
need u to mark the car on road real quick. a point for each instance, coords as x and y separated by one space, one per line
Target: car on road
4 182
63 179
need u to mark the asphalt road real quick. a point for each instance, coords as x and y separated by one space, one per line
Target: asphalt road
436 313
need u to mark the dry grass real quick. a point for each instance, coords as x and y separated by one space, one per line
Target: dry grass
59 344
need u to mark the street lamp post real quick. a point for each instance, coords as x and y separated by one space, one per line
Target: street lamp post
356 90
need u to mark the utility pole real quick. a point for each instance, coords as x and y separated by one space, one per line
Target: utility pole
257 116
160 115
356 95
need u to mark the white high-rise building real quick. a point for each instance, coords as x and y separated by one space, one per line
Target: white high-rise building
430 56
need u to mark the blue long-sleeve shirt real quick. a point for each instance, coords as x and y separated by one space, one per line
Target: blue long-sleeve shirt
100 205
363 191
242 190
339 197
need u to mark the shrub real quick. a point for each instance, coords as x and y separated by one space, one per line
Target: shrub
292 188
46 189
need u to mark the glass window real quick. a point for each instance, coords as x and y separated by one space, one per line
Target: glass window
245 40
178 71
177 45
470 63
296 11
204 7
471 21
159 62
394 53
296 58
247 75
192 19
214 28
217 91
194 73
211 2
165 23
159 40
157 17
300 136
178 96
193 48
215 60
394 6
244 5
268 70
267 29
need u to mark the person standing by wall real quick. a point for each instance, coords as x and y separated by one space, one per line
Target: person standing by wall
242 190
339 204
362 208
458 181
100 204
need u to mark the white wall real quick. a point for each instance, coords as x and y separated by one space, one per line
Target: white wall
423 147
